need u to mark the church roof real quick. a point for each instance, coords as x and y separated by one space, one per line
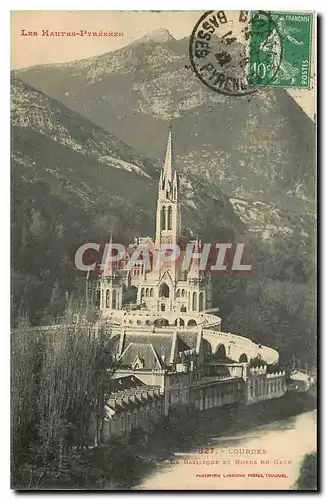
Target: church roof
144 353
189 339
154 351
161 343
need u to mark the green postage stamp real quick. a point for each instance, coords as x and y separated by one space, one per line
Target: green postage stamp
280 49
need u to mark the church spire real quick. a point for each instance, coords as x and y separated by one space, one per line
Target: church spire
168 168
168 220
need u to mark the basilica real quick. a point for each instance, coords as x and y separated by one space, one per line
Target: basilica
167 286
168 341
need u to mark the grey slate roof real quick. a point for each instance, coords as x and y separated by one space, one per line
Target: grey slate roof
162 344
188 338
145 353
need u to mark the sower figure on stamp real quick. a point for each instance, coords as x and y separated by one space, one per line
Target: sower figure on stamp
273 44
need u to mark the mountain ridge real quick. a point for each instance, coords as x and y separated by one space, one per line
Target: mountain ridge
134 91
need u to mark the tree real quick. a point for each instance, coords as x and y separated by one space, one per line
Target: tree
308 473
26 358
59 381
257 362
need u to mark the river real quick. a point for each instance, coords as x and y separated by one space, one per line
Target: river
282 445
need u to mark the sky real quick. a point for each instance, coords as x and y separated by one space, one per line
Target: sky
29 50
34 50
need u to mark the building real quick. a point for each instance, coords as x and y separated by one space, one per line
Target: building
166 287
261 385
169 342
131 404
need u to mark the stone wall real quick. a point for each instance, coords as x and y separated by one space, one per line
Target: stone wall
261 385
130 409
217 393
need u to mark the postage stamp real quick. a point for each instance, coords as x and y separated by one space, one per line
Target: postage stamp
285 48
220 50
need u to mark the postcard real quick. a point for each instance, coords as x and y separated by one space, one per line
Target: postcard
163 250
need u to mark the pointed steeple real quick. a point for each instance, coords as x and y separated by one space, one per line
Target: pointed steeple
168 168
168 219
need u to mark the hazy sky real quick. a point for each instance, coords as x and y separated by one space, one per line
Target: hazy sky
33 50
29 50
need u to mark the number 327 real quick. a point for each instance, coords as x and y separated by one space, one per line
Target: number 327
205 451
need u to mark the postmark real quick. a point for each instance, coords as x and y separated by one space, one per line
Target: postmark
291 37
220 46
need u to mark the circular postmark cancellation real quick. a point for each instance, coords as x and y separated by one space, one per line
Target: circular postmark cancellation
234 52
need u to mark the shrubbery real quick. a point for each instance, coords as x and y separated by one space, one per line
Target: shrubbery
308 473
58 383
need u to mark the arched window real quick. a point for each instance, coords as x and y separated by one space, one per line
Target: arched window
178 294
194 301
201 301
163 218
151 292
97 298
183 293
147 292
243 358
179 322
191 322
164 290
108 298
170 218
221 351
114 299
183 309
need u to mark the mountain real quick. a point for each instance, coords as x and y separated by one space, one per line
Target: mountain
160 35
257 149
72 182
84 164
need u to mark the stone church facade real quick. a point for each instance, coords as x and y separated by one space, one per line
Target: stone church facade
166 287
